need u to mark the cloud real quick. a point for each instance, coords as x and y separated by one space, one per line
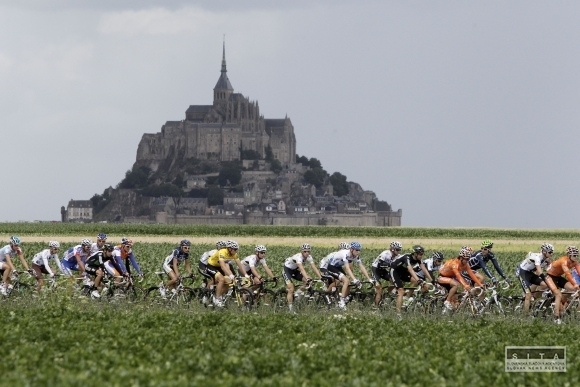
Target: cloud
66 61
154 21
6 63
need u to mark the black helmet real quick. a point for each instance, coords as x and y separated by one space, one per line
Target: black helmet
419 249
108 247
437 256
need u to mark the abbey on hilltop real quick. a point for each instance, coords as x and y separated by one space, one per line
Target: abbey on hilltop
221 131
227 164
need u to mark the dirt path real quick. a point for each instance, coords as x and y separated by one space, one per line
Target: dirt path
500 245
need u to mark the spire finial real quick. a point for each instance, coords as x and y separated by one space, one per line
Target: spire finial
224 56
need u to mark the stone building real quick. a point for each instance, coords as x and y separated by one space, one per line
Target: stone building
78 211
219 131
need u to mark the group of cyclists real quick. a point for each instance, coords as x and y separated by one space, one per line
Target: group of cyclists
91 261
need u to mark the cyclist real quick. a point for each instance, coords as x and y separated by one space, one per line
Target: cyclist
74 258
342 261
219 269
98 245
323 267
6 265
381 267
479 260
40 263
123 253
402 271
202 266
432 264
258 259
450 276
562 267
170 264
95 265
294 269
531 276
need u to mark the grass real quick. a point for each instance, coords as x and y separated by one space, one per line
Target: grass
96 345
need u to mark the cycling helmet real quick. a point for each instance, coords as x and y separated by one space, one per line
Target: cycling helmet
305 247
15 240
232 244
355 246
220 245
54 244
343 246
571 250
437 256
102 236
108 247
185 242
486 244
465 252
548 248
396 245
260 249
86 242
418 249
127 242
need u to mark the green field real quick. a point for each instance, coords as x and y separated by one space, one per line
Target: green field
66 341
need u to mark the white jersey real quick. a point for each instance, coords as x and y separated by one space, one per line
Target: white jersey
95 248
43 258
384 259
325 260
293 261
205 256
342 257
8 251
70 254
533 259
252 261
429 265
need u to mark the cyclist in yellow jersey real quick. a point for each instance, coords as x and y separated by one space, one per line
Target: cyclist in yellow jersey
219 269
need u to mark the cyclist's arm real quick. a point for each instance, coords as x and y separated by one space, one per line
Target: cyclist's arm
115 264
349 271
225 267
426 272
120 264
412 272
131 257
459 277
498 268
302 271
23 261
569 275
474 277
9 262
254 271
313 265
268 271
363 269
484 267
241 267
47 266
80 263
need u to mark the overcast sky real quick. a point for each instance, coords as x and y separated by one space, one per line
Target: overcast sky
459 113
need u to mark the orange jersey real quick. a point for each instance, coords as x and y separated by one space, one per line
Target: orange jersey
453 268
563 265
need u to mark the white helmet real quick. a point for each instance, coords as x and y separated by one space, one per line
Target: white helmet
54 244
305 247
232 244
344 246
86 242
260 249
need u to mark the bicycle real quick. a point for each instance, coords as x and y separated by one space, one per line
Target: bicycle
181 295
238 295
125 289
264 297
19 288
470 304
495 303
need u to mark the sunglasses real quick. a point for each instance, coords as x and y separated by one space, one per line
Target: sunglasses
356 249
185 247
397 249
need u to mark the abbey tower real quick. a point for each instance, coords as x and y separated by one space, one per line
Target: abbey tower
219 131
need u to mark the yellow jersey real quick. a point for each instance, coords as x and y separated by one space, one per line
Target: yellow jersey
221 255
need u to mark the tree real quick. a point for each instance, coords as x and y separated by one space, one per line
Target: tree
339 184
250 154
315 176
179 181
215 196
165 189
315 163
276 166
302 160
136 178
231 172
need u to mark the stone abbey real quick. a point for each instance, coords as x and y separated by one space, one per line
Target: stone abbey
220 131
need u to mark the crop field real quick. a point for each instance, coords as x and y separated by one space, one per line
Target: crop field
63 340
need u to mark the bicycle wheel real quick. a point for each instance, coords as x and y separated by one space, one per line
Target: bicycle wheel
244 299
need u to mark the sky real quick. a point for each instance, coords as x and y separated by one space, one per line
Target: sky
462 114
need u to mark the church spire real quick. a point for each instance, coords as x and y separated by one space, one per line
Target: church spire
223 83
